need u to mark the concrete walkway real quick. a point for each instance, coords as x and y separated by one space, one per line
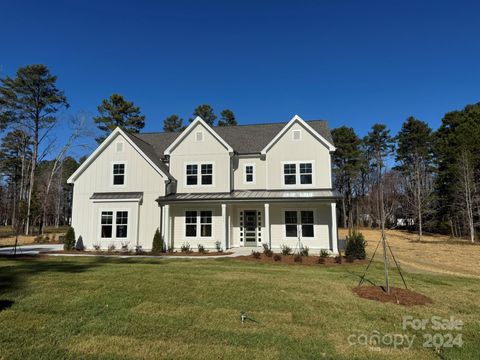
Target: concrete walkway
43 249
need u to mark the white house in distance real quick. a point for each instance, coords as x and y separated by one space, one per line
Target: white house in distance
244 185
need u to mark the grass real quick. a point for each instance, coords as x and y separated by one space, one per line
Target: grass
97 308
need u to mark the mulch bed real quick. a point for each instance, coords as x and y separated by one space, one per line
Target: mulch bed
397 295
120 253
306 260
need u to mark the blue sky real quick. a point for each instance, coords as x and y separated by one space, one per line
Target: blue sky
351 62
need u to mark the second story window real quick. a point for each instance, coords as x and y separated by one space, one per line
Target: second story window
195 177
298 173
118 174
249 174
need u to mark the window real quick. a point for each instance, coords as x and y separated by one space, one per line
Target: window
298 173
118 174
106 224
289 174
199 136
205 223
195 220
192 175
207 174
299 219
190 223
249 174
305 173
122 223
296 135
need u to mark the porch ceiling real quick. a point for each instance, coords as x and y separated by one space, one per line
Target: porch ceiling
253 195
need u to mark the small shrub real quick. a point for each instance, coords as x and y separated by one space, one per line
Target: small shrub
157 244
286 250
79 246
355 245
61 239
256 254
201 249
69 243
277 257
297 258
124 246
323 256
304 251
185 248
97 246
267 251
338 258
111 247
138 249
218 246
170 249
350 258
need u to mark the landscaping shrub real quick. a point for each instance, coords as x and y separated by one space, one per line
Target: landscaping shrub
267 251
304 251
79 246
355 247
185 248
69 242
338 258
297 258
138 249
157 244
256 254
41 239
201 249
286 250
111 247
350 258
96 246
277 257
124 246
218 246
323 256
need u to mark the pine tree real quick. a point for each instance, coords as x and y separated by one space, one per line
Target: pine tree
227 118
157 245
118 112
173 123
205 111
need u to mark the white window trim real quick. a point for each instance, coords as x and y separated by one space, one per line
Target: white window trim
299 223
254 175
114 225
297 174
198 223
294 131
199 174
124 175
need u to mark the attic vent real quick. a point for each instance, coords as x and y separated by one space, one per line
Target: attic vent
119 147
296 135
199 136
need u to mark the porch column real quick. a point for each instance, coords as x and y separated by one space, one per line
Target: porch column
267 225
224 226
166 226
334 229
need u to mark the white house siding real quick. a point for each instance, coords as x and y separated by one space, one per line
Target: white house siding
97 177
260 177
209 150
308 148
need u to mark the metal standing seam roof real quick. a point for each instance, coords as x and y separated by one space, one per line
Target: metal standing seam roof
117 196
252 195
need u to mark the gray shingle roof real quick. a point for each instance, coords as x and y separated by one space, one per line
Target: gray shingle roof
244 139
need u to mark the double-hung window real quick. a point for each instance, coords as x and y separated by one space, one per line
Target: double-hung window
198 223
195 177
299 223
118 174
249 174
108 223
298 173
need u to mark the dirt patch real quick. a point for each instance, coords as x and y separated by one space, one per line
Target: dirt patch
306 260
397 295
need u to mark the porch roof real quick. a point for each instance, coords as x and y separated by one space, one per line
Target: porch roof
117 196
253 195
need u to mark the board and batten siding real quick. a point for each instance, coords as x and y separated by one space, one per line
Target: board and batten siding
97 177
307 149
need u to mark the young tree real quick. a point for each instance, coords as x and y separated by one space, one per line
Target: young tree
206 113
414 157
346 168
173 123
32 99
116 111
227 118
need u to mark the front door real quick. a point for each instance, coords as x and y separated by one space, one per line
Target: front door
250 231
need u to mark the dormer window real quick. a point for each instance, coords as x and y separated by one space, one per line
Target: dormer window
296 135
119 174
199 136
249 174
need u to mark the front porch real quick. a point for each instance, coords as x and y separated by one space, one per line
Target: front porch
248 221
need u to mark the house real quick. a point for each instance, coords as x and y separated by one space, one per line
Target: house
244 185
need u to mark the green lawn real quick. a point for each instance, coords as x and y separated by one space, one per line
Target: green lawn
94 308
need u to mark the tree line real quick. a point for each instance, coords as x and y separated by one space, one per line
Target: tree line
422 179
35 164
